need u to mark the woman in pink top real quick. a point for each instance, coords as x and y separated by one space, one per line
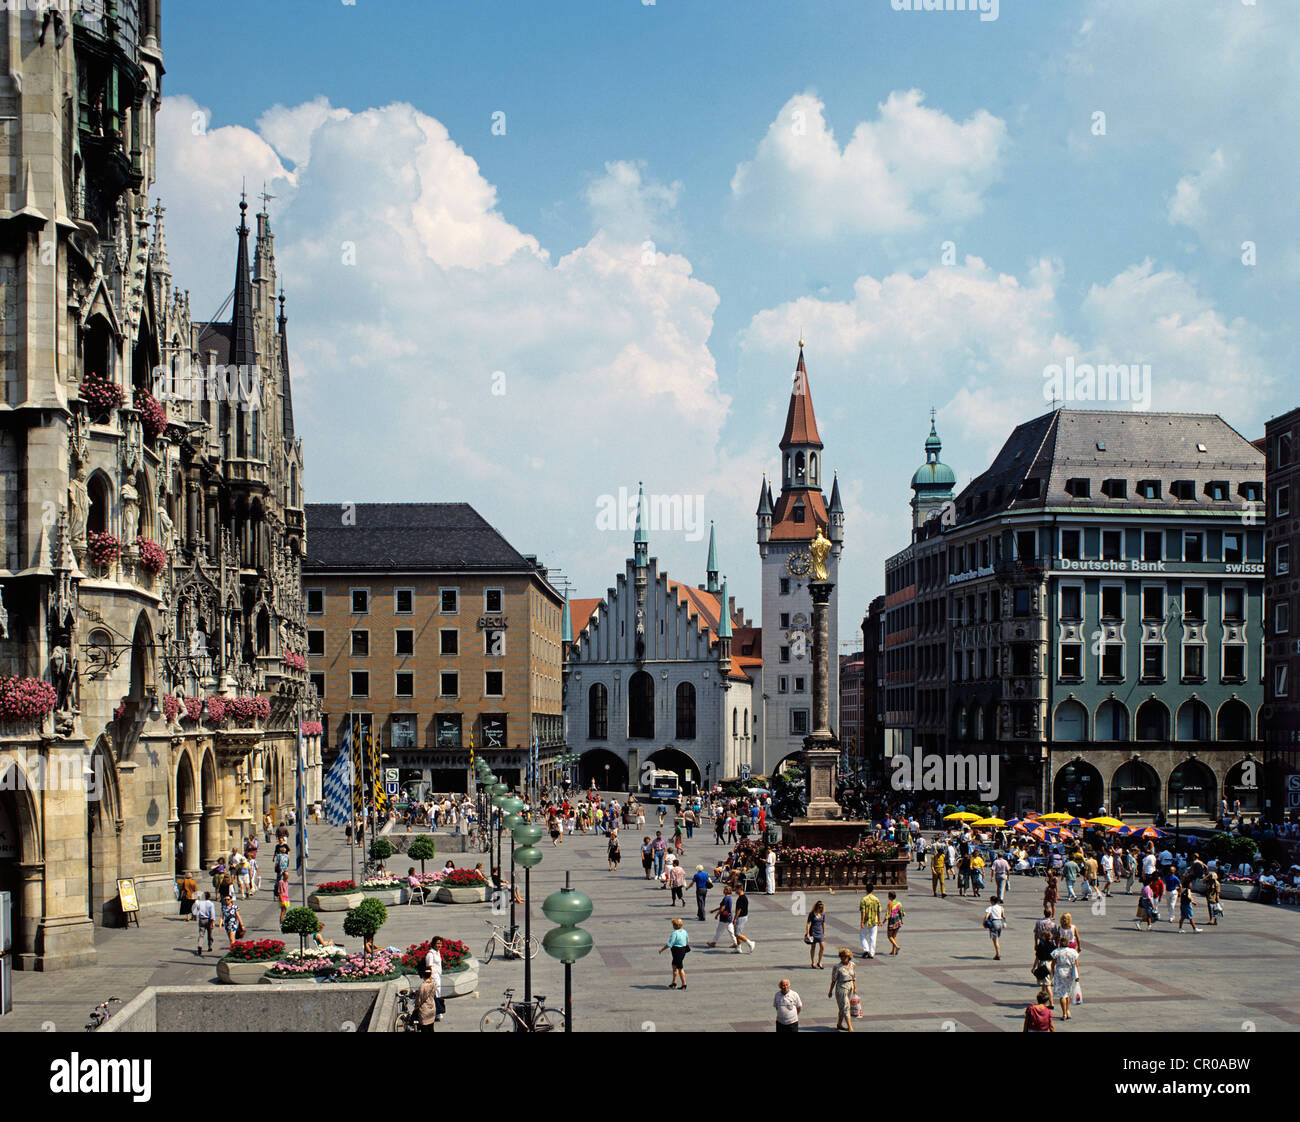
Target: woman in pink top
282 893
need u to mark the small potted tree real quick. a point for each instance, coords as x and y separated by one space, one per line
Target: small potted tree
301 922
364 921
422 849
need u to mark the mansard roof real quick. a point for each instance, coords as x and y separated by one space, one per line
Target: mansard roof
785 528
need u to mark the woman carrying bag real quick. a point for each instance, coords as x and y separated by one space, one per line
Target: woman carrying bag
680 944
844 987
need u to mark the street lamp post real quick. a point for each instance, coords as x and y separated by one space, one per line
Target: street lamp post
568 942
527 855
511 808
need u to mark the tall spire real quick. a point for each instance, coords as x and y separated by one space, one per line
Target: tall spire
243 347
286 385
800 422
158 250
712 567
640 542
724 613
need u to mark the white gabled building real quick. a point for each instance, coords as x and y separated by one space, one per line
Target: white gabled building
660 672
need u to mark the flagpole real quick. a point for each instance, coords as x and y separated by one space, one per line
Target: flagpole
352 797
302 810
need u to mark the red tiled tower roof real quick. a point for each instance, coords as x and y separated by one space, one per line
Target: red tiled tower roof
800 421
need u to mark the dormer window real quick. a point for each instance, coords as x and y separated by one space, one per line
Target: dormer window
1149 488
1217 489
1252 492
1184 490
1080 488
1029 489
1115 488
798 512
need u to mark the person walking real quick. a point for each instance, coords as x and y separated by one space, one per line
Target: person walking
614 854
1172 884
769 870
426 999
976 874
1051 891
658 850
1212 898
703 882
230 921
787 1006
680 944
995 920
1146 911
937 884
719 826
843 987
433 963
553 826
647 856
1065 974
282 895
205 911
1071 871
741 910
1185 908
726 921
1045 933
189 891
1001 876
893 922
689 819
1071 933
1130 871
869 920
676 877
815 935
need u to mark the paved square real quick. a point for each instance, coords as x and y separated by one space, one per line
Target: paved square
1240 974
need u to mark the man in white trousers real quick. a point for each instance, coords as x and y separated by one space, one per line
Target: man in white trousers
869 914
770 871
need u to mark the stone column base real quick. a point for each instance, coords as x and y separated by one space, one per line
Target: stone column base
62 942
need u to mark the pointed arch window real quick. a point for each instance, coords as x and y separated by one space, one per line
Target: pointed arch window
598 712
685 711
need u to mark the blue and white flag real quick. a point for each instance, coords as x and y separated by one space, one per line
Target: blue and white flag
338 785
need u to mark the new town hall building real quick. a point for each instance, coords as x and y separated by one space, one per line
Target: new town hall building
663 672
151 534
1088 615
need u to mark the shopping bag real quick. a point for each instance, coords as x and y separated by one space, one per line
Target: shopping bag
1078 994
855 1006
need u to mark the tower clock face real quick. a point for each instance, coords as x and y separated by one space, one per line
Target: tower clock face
799 564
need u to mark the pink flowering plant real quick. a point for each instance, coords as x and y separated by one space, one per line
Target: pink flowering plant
153 558
100 395
102 547
171 707
379 967
193 708
312 728
245 709
153 417
216 710
26 698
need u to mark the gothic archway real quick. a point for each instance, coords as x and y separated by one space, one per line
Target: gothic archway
608 770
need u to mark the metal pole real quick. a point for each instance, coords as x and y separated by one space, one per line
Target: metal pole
352 798
528 933
514 925
568 997
302 809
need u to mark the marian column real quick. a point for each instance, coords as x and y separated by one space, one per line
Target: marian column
821 749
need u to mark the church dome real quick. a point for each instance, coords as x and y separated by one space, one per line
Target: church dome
933 475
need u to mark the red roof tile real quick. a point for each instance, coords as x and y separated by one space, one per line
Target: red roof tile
800 423
785 528
580 612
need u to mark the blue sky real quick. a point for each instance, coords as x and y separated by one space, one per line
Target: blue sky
793 167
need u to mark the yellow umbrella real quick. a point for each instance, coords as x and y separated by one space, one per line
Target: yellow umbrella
963 816
1109 823
1055 816
989 822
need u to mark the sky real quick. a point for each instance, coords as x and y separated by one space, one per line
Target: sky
536 253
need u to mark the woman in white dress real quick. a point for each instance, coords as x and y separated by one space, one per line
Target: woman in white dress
770 870
1065 973
433 960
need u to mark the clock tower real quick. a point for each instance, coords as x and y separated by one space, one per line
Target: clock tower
787 526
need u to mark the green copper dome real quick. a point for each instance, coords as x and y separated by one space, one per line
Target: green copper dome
933 474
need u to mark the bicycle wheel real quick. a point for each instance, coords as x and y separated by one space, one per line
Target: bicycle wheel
496 1020
534 945
490 949
549 1020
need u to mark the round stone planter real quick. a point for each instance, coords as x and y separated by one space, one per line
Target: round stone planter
242 973
340 902
461 983
1247 892
448 895
383 895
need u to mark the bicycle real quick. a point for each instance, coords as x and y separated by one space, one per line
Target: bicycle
373 869
506 1019
408 1020
101 1014
508 946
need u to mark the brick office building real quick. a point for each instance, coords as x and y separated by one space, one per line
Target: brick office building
427 626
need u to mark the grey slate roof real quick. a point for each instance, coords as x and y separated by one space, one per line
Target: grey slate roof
1063 445
406 536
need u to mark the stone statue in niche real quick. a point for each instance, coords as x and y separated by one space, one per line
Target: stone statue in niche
79 503
130 513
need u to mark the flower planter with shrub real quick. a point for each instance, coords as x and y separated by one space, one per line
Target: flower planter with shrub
312 965
246 961
463 886
335 896
459 967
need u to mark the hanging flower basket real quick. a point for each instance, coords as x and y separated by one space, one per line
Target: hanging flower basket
103 548
153 558
26 698
247 709
193 708
312 728
295 661
216 710
153 417
171 705
101 396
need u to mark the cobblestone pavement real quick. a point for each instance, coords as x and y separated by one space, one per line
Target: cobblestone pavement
1239 976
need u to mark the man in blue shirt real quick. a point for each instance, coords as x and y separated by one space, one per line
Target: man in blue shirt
702 884
1171 890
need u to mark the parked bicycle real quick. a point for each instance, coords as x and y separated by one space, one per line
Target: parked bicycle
101 1014
408 1020
519 1016
501 943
